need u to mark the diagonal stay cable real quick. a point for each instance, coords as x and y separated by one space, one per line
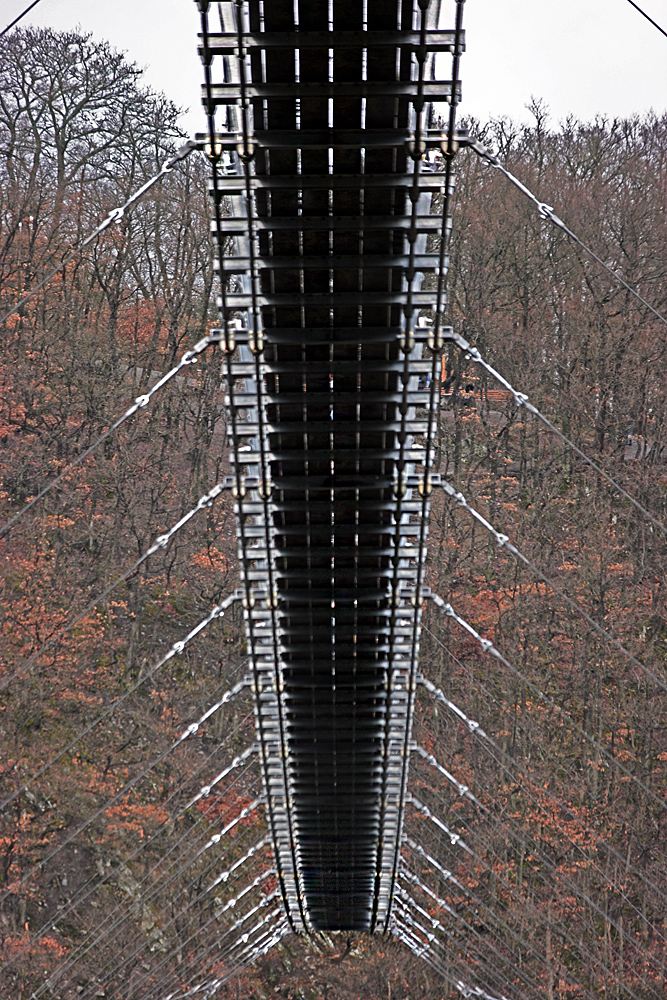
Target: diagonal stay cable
160 542
115 215
527 946
93 884
564 927
110 710
407 899
114 966
489 649
489 746
423 947
160 986
176 649
213 934
522 399
420 951
547 212
197 934
141 402
248 954
492 914
650 19
407 876
104 935
19 18
505 543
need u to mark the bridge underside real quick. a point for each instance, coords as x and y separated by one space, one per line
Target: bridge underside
315 107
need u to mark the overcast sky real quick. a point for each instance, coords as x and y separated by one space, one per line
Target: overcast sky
582 57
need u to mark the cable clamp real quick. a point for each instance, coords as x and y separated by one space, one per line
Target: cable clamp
486 644
502 540
142 401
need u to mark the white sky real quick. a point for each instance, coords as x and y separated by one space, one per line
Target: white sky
580 56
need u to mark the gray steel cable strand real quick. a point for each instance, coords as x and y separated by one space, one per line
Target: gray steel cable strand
208 925
115 964
87 889
161 542
492 973
547 212
212 941
115 215
421 948
495 919
521 399
19 18
421 953
177 867
406 875
505 960
176 649
492 915
520 837
489 745
649 19
141 402
488 648
110 710
421 561
504 542
102 935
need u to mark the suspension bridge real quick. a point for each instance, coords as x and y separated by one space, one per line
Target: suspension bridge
331 182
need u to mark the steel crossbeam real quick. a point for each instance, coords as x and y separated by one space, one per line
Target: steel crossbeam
322 189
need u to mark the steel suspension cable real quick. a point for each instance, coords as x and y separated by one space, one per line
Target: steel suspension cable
115 215
489 649
489 744
649 19
110 710
19 18
161 542
547 212
114 967
72 959
520 837
504 542
176 649
522 399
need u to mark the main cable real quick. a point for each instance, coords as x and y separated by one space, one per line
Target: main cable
72 959
488 648
176 649
650 19
19 18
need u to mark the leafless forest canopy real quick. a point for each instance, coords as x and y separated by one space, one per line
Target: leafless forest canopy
567 877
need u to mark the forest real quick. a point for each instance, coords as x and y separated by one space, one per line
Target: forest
105 882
